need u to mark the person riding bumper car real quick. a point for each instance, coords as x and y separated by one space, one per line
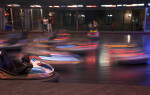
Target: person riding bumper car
15 69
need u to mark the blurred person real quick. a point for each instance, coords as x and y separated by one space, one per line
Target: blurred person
45 24
94 24
49 25
42 24
143 23
113 27
90 25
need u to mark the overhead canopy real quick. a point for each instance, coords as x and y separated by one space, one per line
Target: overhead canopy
46 3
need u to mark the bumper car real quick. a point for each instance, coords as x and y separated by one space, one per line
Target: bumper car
128 56
52 57
13 41
60 37
93 33
78 47
11 44
48 41
15 69
56 59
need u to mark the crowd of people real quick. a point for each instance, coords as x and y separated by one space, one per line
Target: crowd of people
46 24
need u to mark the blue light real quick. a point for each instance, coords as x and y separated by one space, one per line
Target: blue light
65 46
59 58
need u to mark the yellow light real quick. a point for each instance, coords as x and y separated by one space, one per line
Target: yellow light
49 74
56 6
93 31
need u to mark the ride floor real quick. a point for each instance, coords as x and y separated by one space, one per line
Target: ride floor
96 73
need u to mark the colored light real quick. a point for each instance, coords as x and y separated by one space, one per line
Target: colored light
93 33
94 6
56 6
90 6
59 58
13 5
108 5
72 6
80 5
35 6
49 74
122 51
6 14
133 5
129 15
119 45
131 54
119 5
39 63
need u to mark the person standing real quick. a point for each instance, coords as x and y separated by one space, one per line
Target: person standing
112 27
49 26
45 24
42 24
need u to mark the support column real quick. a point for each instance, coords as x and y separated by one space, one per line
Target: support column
77 20
12 19
41 11
27 20
61 18
146 23
31 19
21 15
2 20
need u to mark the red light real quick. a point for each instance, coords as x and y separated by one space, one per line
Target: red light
93 33
82 46
29 56
94 6
131 54
39 63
